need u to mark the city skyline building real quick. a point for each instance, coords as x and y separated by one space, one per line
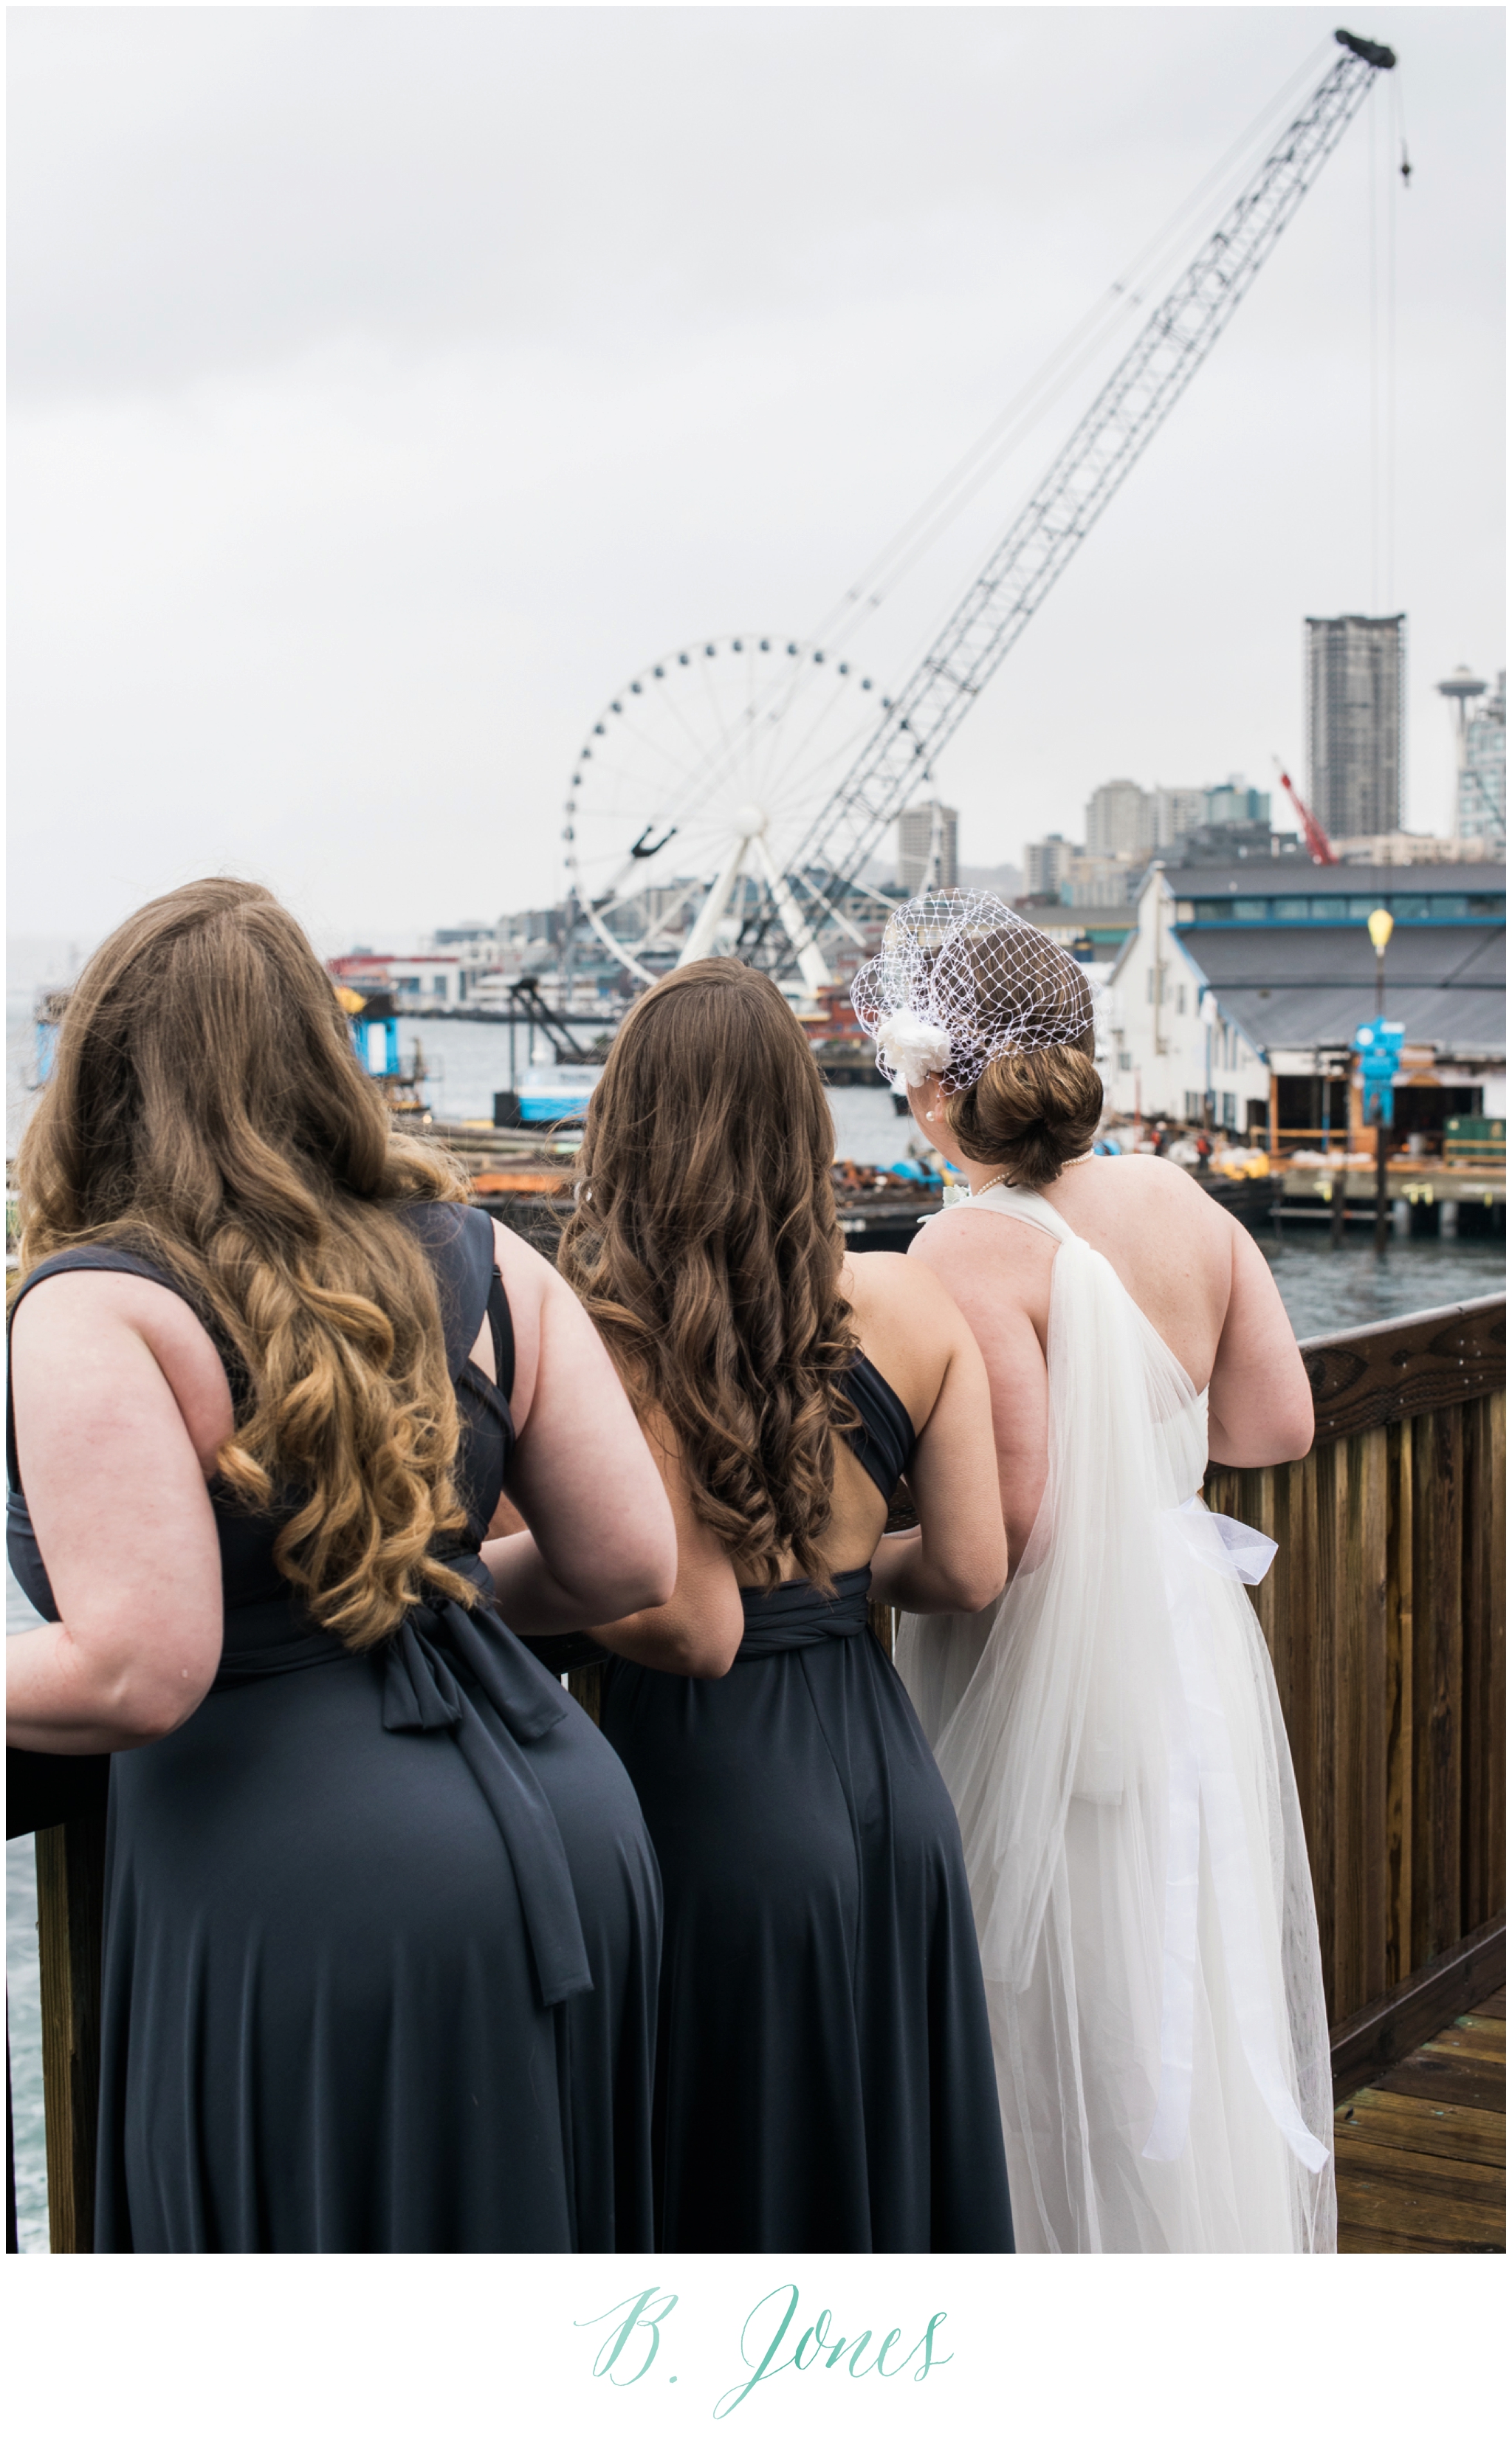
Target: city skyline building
1119 819
1480 809
1232 805
1353 696
1046 862
920 830
1176 811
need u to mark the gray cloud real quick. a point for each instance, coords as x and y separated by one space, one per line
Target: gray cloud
387 385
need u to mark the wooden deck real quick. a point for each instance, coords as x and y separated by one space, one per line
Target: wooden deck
1421 2153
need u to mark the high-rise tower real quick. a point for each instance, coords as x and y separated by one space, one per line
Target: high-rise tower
1355 723
926 847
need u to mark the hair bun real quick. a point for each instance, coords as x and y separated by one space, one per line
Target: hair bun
1030 1112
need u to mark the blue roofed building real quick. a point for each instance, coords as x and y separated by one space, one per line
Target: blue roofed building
1236 997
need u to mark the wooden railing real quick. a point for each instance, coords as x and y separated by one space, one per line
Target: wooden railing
1384 1616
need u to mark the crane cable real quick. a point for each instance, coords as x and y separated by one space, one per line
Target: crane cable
1387 164
1011 426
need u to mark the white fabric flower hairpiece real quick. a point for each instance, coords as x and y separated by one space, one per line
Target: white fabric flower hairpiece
911 1047
959 980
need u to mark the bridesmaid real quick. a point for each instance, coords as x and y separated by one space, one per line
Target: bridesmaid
824 2069
381 1918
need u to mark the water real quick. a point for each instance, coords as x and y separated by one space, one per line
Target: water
1327 1290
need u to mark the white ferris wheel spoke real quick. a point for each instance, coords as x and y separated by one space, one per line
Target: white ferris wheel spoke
713 757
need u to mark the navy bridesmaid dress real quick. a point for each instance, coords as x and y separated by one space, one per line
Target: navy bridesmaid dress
825 2079
382 1930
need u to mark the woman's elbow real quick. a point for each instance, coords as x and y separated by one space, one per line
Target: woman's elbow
641 1569
1283 1438
142 1710
986 1585
973 1583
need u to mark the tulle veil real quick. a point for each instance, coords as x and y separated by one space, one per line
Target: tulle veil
1111 1737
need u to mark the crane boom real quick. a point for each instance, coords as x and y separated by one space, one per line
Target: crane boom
1315 837
1107 443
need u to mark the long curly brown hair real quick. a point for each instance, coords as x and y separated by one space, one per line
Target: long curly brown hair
205 1110
704 1244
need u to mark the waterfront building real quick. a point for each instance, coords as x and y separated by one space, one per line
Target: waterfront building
926 848
427 980
1236 996
1354 669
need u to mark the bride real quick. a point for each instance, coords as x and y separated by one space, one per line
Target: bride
1110 1729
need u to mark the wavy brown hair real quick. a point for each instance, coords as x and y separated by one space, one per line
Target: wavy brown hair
205 1110
705 1246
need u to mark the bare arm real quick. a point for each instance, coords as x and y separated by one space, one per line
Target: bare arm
987 1273
696 1634
1259 1404
139 1592
601 1539
958 1559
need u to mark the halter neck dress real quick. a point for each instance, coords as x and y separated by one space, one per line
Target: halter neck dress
382 1930
1110 1734
824 2078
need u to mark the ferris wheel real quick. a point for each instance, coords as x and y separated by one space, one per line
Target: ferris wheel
732 793
693 786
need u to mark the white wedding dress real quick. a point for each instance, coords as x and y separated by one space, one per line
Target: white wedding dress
1110 1734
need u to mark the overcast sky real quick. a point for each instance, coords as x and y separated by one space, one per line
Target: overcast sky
389 385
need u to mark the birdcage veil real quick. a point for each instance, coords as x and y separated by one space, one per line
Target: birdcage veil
960 980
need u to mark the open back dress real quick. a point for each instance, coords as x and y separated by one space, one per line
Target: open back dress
1110 1734
824 2067
382 1930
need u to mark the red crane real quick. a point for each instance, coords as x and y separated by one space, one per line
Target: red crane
1318 844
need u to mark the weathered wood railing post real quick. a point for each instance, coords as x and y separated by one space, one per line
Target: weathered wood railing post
61 1802
70 1914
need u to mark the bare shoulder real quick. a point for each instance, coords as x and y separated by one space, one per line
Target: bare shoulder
91 1303
891 1287
535 1288
110 1328
1146 1191
909 1324
966 1244
519 1265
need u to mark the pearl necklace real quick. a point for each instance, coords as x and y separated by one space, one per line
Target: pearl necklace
973 1192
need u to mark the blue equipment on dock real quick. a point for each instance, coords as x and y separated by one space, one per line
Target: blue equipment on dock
547 1093
1379 1044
